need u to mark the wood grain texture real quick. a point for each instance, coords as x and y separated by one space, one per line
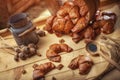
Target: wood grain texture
8 67
4 14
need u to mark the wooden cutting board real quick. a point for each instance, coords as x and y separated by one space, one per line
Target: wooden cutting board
11 70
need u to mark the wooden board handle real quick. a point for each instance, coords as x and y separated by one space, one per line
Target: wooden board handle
109 59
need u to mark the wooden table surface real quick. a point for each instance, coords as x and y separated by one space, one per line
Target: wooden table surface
11 70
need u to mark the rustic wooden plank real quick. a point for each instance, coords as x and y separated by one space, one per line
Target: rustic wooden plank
9 6
4 14
15 1
60 75
8 67
19 4
43 44
25 7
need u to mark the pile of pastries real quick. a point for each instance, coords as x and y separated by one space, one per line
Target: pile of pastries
81 20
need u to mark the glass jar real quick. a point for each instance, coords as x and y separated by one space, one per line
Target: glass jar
22 29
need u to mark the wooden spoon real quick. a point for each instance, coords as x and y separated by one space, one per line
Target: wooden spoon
103 53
